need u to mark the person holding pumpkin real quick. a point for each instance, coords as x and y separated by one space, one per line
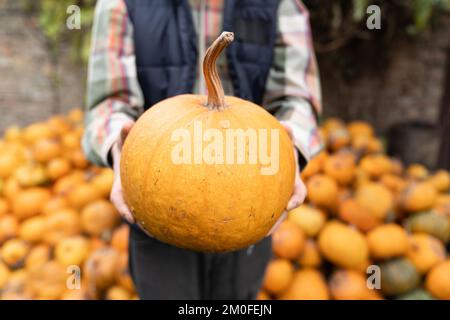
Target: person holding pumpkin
146 51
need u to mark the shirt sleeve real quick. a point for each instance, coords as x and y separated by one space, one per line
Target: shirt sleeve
114 96
293 85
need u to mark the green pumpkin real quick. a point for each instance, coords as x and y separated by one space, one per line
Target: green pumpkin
418 294
398 276
431 223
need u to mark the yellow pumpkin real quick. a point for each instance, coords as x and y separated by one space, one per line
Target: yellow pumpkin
376 198
14 251
310 257
117 293
438 280
387 241
441 180
83 194
375 165
58 167
31 175
342 245
37 256
278 276
288 240
349 285
425 252
4 207
418 196
32 229
322 191
309 219
48 281
353 213
9 227
72 250
341 167
360 128
30 202
307 284
62 223
46 149
37 131
99 217
198 200
119 239
417 171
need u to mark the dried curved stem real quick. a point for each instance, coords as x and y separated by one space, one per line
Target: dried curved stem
216 95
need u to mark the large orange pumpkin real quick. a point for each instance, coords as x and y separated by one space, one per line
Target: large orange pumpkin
215 198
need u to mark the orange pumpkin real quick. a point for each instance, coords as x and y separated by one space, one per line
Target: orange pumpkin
62 223
441 180
349 285
72 250
37 131
123 277
4 274
375 198
104 181
99 217
360 128
309 219
353 213
14 251
314 165
310 257
438 280
387 241
68 183
288 240
32 229
341 167
418 196
117 293
57 168
30 202
9 227
119 239
46 149
55 204
376 165
83 194
425 252
37 256
322 191
165 200
100 269
308 284
4 207
342 245
417 171
48 281
278 276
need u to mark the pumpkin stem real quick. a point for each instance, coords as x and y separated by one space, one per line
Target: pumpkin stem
216 96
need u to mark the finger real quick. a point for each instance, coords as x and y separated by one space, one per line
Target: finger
121 207
298 197
126 128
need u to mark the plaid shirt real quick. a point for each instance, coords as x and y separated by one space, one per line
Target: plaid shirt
115 97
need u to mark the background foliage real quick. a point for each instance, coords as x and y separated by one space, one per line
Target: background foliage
337 24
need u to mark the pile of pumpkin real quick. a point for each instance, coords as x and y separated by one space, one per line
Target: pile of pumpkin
60 238
369 229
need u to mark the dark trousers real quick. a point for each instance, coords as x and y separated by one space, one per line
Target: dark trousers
161 271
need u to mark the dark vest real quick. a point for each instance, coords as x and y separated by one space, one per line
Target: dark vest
166 53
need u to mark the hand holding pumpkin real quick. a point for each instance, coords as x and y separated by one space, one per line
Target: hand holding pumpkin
116 195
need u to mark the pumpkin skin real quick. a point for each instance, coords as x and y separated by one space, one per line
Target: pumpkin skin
349 285
387 241
309 219
278 276
310 257
203 207
308 284
425 252
343 245
429 223
438 281
398 276
288 240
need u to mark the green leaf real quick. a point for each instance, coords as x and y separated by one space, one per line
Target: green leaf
359 9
